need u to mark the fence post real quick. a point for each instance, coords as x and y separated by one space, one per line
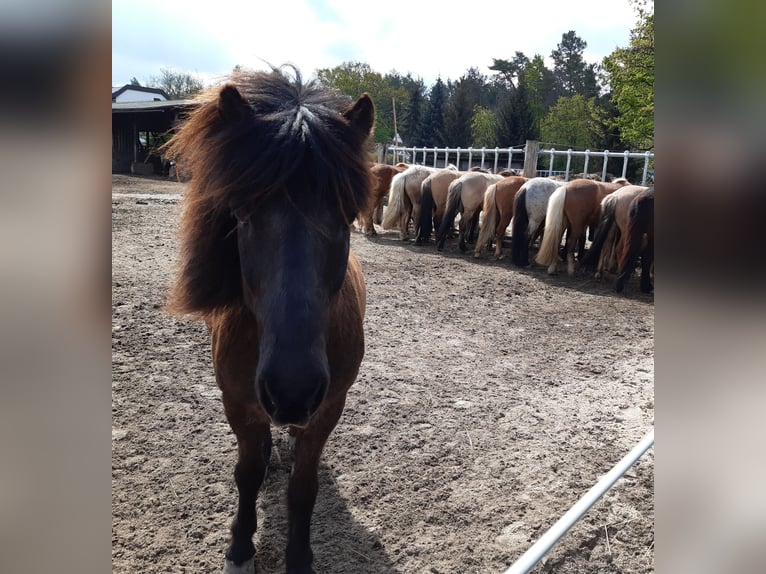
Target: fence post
457 162
470 157
625 163
435 152
531 149
497 151
569 162
606 160
550 167
585 167
646 168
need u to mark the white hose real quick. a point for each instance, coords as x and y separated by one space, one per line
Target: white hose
532 556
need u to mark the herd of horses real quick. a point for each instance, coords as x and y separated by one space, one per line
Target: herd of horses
618 217
278 171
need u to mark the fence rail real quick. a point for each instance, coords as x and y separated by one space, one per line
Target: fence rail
503 158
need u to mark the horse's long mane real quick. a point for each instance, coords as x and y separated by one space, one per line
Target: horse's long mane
262 133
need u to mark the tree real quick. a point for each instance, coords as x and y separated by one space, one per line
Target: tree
177 85
134 82
355 78
573 75
630 75
433 122
573 122
483 128
413 115
541 92
509 70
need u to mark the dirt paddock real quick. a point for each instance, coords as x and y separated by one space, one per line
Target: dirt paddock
489 400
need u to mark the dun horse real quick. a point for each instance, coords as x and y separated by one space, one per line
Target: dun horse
404 199
573 207
498 212
279 169
466 196
529 208
434 201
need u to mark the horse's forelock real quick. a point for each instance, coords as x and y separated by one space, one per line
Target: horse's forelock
292 136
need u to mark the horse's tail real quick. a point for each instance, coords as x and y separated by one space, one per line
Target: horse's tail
425 225
605 224
554 228
491 219
640 221
395 201
520 229
454 204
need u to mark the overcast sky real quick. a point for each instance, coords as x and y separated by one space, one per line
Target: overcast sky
425 38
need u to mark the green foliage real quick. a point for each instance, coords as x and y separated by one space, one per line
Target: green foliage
483 127
355 78
630 75
572 74
177 85
574 122
433 122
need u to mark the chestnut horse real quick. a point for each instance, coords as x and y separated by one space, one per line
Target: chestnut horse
529 208
279 169
465 196
382 174
639 240
610 233
498 212
573 207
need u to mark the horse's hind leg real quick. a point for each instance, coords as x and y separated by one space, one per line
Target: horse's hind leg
573 241
647 258
303 486
505 220
254 446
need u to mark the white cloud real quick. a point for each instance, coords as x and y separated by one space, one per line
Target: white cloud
424 38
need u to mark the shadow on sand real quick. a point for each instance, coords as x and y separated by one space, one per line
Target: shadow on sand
340 543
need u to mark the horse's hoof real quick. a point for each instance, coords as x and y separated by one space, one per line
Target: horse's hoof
500 257
247 567
476 255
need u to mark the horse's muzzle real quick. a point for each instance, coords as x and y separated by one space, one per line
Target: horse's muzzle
291 401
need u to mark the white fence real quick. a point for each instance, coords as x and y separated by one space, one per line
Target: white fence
498 159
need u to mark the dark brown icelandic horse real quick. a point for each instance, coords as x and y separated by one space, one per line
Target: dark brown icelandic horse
610 233
279 169
381 181
639 240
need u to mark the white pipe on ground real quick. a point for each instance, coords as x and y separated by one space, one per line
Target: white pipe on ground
532 556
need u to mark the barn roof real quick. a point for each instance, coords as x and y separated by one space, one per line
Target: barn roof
128 107
126 87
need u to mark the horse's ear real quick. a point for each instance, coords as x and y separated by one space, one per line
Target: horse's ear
231 105
361 115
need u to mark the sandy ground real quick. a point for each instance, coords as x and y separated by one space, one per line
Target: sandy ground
489 400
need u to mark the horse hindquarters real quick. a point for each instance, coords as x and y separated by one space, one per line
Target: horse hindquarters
519 230
555 222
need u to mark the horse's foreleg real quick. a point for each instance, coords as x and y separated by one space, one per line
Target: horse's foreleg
303 486
254 446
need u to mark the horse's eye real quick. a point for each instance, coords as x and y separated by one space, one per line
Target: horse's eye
241 215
